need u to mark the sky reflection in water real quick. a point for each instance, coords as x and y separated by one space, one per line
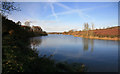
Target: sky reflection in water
97 55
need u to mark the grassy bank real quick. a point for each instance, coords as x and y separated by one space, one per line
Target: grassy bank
112 33
18 56
100 38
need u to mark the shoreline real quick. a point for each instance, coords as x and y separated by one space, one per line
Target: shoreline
102 38
91 37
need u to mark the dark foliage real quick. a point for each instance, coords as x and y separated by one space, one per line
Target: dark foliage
19 57
7 7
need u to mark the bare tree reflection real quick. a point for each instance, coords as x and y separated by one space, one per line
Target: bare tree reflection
86 44
92 45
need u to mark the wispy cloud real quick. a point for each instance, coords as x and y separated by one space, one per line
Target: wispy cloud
80 12
69 11
53 11
63 6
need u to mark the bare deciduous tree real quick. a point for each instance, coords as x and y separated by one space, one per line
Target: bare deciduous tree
86 28
7 7
27 23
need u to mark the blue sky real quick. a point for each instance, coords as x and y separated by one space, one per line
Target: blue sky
63 16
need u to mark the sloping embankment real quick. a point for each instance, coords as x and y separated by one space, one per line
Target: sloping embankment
112 33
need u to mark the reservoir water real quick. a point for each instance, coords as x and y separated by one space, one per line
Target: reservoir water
97 55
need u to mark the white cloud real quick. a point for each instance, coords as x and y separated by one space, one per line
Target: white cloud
53 12
80 12
69 11
62 5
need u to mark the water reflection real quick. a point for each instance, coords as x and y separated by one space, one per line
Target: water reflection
92 45
104 56
86 43
35 42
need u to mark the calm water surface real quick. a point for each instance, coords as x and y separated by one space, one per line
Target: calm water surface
97 55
